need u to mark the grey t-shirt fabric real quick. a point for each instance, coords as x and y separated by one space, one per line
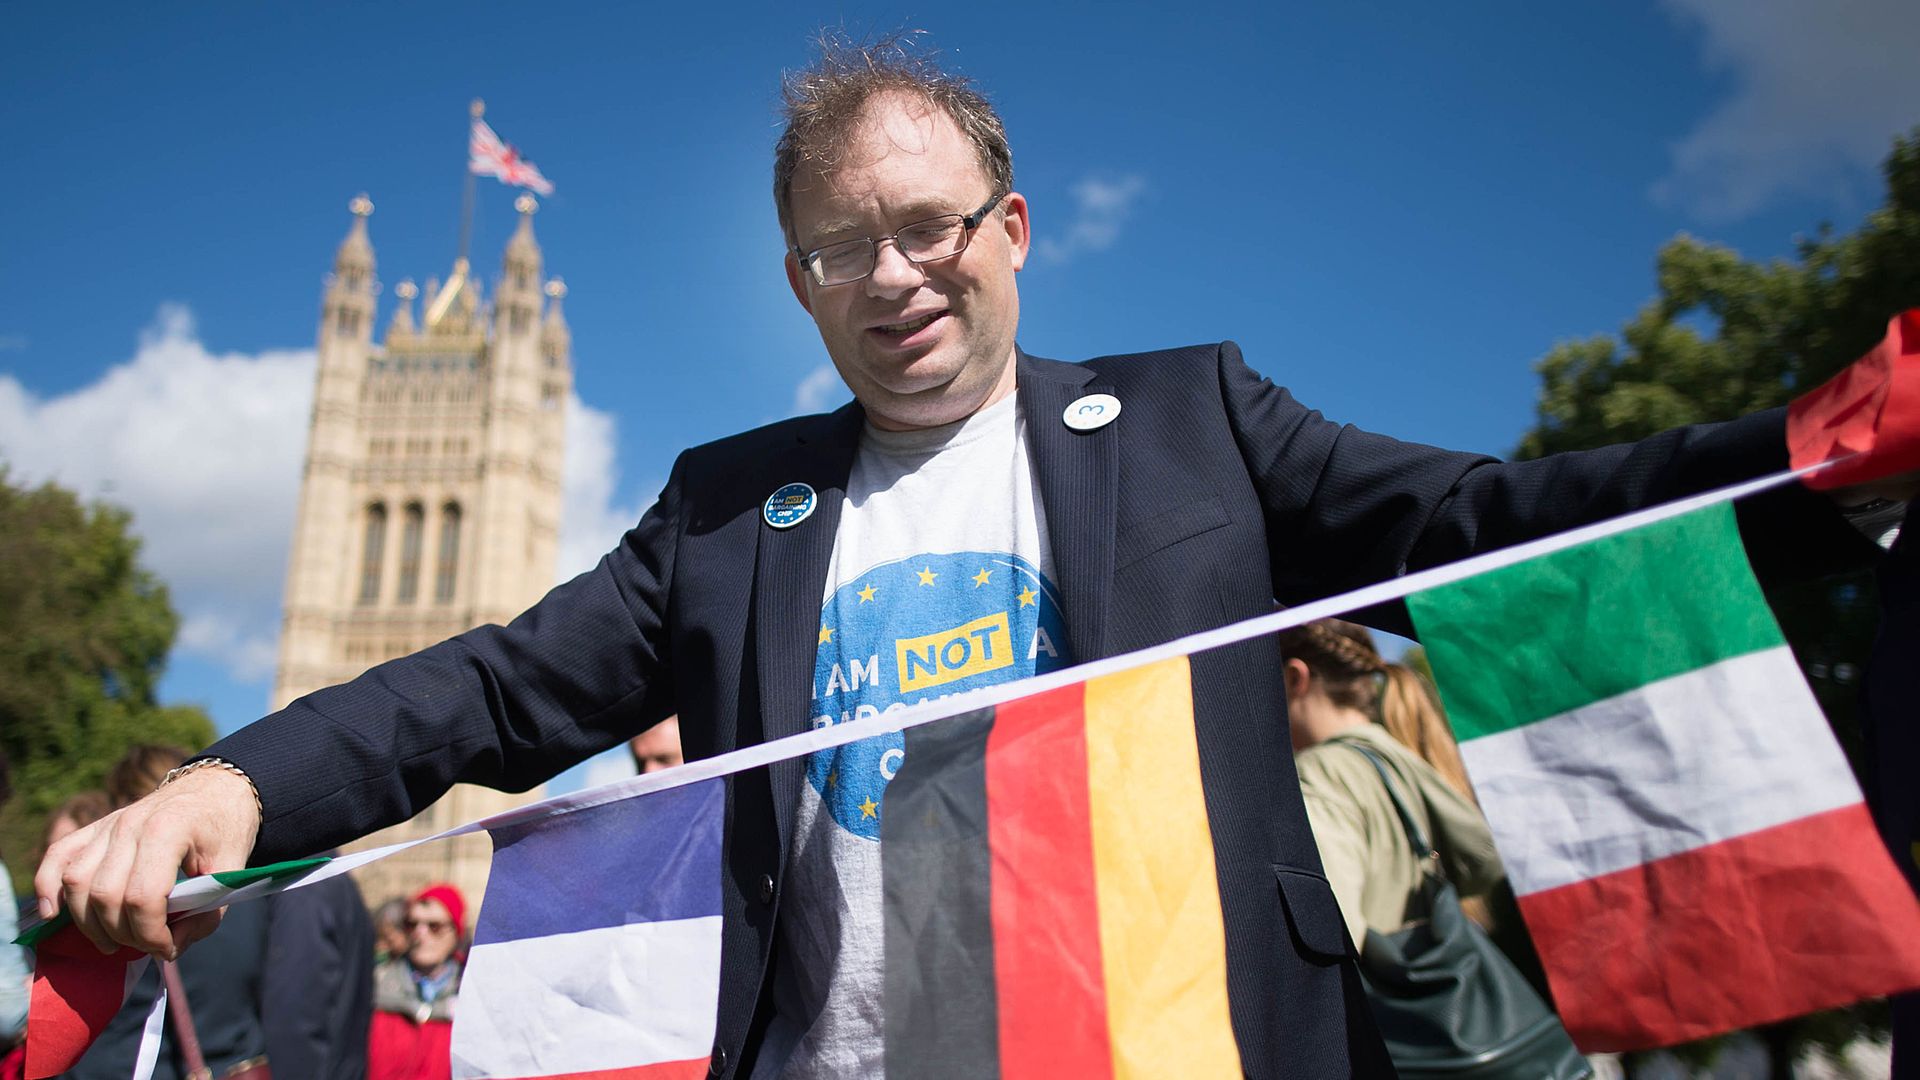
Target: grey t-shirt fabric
940 581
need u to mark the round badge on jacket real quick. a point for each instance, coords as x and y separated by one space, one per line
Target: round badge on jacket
789 506
1091 412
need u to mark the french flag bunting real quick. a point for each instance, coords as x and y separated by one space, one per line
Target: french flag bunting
597 953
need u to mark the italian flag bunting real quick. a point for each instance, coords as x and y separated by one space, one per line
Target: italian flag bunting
77 989
1688 845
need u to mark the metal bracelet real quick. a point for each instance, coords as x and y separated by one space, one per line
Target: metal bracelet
216 763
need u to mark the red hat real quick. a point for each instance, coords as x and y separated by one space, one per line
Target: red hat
449 898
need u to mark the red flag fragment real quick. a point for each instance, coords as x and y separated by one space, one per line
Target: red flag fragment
1870 410
76 991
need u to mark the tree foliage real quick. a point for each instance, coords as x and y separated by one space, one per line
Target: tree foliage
1727 336
82 648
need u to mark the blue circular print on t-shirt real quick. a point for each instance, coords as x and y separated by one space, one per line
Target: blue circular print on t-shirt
915 630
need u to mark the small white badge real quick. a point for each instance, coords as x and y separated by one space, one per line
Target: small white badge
1091 412
789 506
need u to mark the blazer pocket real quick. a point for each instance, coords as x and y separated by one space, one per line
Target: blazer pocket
1319 933
1165 529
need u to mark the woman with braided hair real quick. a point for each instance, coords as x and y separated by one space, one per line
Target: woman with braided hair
1342 696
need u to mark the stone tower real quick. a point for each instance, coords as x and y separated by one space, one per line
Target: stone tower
430 500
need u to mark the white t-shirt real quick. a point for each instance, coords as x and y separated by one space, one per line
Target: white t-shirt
941 581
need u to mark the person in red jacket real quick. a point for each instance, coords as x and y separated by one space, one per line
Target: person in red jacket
413 995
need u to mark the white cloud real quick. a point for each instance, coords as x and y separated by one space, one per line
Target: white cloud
591 519
249 653
1819 92
1101 208
819 391
205 451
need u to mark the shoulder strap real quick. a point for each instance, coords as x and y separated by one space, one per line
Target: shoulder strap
1421 849
195 1062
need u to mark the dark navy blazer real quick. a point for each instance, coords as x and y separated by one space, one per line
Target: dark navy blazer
1212 495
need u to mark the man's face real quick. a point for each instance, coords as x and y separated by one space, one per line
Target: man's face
431 935
658 747
393 940
919 344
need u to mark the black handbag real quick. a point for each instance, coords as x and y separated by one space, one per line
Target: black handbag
1446 999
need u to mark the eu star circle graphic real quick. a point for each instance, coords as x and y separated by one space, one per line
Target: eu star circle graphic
915 630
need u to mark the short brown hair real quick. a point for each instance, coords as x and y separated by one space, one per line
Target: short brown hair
82 808
136 775
824 101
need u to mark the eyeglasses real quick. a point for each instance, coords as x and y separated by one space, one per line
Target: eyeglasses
926 241
438 926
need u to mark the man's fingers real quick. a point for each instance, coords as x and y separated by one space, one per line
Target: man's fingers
48 885
75 886
194 927
150 876
106 899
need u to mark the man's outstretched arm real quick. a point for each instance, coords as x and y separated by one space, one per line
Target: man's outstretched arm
506 707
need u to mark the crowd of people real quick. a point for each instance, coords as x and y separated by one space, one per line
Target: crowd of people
309 982
306 984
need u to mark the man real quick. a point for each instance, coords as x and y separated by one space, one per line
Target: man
390 930
1083 510
657 748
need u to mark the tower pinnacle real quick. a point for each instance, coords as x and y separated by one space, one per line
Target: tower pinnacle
402 323
553 328
356 251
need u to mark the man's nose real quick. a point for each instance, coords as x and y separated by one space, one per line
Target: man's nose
893 273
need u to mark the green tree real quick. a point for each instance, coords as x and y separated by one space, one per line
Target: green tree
1777 328
1727 336
82 648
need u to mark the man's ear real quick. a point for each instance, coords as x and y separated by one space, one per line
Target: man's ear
798 282
1019 227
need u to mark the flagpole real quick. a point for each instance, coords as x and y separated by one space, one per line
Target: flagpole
477 109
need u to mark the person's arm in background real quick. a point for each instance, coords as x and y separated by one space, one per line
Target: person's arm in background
316 995
14 978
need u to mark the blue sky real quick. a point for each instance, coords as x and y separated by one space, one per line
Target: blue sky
1395 209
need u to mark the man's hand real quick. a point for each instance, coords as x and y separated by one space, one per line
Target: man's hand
113 876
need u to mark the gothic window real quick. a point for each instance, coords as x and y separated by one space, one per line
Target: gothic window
370 552
449 563
412 525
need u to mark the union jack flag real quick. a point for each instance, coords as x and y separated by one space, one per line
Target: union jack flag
488 155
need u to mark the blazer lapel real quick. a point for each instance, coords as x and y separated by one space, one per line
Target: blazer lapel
790 572
1078 474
